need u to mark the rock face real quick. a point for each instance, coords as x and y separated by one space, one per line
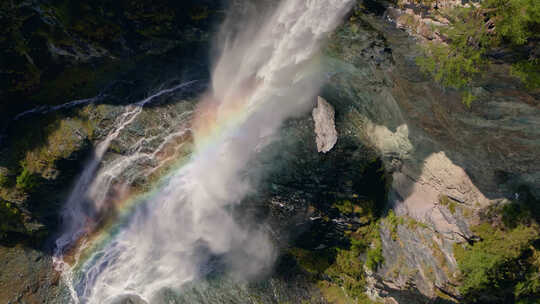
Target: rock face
70 50
447 161
325 127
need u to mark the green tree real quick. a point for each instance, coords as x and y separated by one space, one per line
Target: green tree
476 30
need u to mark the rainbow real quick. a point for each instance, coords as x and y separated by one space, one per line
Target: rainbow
212 122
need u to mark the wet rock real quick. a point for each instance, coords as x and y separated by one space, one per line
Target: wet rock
325 128
26 276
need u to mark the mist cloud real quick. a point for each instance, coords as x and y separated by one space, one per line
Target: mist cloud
265 72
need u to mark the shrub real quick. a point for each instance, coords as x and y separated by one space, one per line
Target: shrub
473 32
457 63
529 72
497 265
11 219
374 255
26 181
515 21
393 222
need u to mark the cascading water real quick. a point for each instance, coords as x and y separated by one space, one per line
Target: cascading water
266 73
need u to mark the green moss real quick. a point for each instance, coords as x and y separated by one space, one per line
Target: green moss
61 140
467 212
444 296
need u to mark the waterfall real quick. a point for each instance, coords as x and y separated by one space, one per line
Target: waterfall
91 186
266 72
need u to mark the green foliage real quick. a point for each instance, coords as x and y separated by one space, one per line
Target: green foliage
345 206
515 21
11 219
448 203
514 214
339 272
529 72
504 263
26 181
473 32
374 257
457 63
362 210
393 222
528 290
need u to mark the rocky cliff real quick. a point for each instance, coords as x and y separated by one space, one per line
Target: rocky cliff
384 215
447 162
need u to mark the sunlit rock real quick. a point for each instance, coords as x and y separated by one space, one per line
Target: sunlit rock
325 126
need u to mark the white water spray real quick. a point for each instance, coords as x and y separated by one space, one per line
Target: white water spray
92 185
76 213
264 74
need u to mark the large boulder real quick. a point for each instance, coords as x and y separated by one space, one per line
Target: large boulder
325 127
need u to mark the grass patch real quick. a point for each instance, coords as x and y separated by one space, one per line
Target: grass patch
448 203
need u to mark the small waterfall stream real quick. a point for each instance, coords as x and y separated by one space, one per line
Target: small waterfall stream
169 236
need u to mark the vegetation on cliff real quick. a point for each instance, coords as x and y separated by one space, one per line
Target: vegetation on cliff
504 265
340 271
57 51
54 51
478 35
